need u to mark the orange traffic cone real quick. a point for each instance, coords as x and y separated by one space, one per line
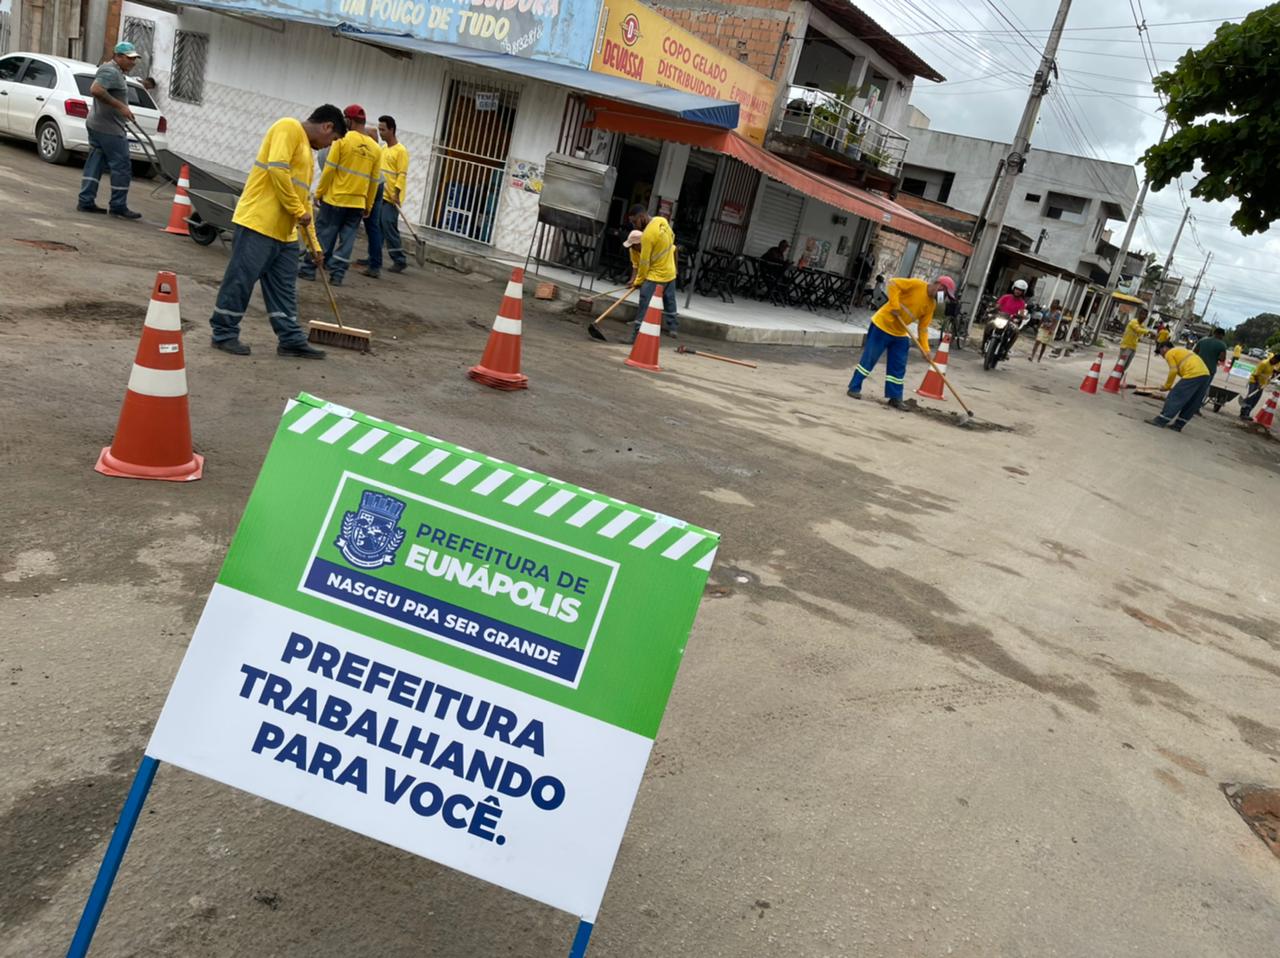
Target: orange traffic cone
644 354
1090 384
931 388
1267 415
181 208
1112 384
153 437
500 365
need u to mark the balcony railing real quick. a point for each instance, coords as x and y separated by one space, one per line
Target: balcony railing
838 125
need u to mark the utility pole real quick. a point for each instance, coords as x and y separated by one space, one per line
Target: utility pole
1123 252
1212 290
1195 289
975 279
1168 263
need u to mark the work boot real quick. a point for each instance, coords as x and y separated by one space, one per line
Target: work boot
232 346
853 395
1154 422
309 277
302 351
91 208
126 214
362 262
398 268
895 404
335 280
372 273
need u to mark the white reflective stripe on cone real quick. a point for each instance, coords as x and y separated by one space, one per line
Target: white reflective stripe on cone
182 182
650 329
503 325
182 200
160 383
166 316
514 290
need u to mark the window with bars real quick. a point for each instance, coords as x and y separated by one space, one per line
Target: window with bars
190 55
142 34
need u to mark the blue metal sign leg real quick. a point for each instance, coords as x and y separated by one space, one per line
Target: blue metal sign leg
115 852
580 940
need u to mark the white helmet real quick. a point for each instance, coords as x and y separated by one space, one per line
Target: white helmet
1020 285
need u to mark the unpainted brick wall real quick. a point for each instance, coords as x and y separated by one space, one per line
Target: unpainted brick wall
932 260
750 32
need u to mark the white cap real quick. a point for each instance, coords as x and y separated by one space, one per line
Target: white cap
634 238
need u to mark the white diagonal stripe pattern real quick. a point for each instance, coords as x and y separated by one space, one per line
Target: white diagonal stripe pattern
618 523
308 419
398 451
460 472
429 462
491 482
587 513
651 534
523 492
552 505
368 441
682 545
338 430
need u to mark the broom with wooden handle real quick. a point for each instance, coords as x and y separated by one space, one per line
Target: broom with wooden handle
328 334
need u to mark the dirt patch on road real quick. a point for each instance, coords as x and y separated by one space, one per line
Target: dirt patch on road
97 311
1262 738
1149 620
49 829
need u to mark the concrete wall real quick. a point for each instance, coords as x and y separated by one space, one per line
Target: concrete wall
816 222
974 161
890 246
257 74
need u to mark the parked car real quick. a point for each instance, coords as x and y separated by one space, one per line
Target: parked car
1257 353
46 100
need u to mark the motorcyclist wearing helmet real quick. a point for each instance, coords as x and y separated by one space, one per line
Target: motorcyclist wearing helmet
1012 305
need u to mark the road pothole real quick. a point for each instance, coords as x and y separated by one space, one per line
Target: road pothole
52 246
1260 808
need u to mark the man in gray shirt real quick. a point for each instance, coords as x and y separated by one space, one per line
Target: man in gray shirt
109 145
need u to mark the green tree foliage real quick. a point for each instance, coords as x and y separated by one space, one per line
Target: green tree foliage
1223 100
1256 331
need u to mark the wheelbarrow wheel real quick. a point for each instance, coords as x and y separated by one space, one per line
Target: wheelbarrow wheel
1217 406
202 232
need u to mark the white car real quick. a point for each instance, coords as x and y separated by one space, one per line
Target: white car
46 99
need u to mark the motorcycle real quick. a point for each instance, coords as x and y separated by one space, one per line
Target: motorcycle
998 339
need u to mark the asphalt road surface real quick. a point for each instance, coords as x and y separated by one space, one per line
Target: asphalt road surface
950 691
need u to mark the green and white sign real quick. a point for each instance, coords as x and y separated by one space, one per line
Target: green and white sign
457 656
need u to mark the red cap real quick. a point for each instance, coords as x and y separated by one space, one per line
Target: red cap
948 286
354 112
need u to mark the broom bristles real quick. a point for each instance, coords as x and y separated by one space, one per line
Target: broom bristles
341 337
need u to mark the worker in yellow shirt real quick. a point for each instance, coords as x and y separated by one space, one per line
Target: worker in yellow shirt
1162 334
1258 379
910 301
1133 332
275 203
1187 396
655 267
348 187
395 172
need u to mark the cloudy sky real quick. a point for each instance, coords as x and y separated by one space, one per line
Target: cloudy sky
1103 106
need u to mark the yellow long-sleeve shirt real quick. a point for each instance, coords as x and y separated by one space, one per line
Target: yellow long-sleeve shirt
1132 333
1162 336
395 170
910 296
278 190
657 252
1262 373
1184 363
352 172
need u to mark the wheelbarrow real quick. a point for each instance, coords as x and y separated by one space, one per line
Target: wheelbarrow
1219 396
211 213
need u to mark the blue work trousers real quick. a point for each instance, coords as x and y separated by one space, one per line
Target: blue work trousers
107 151
878 342
336 228
670 319
1183 402
373 232
391 233
256 258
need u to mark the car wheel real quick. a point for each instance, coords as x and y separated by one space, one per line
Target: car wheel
49 143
